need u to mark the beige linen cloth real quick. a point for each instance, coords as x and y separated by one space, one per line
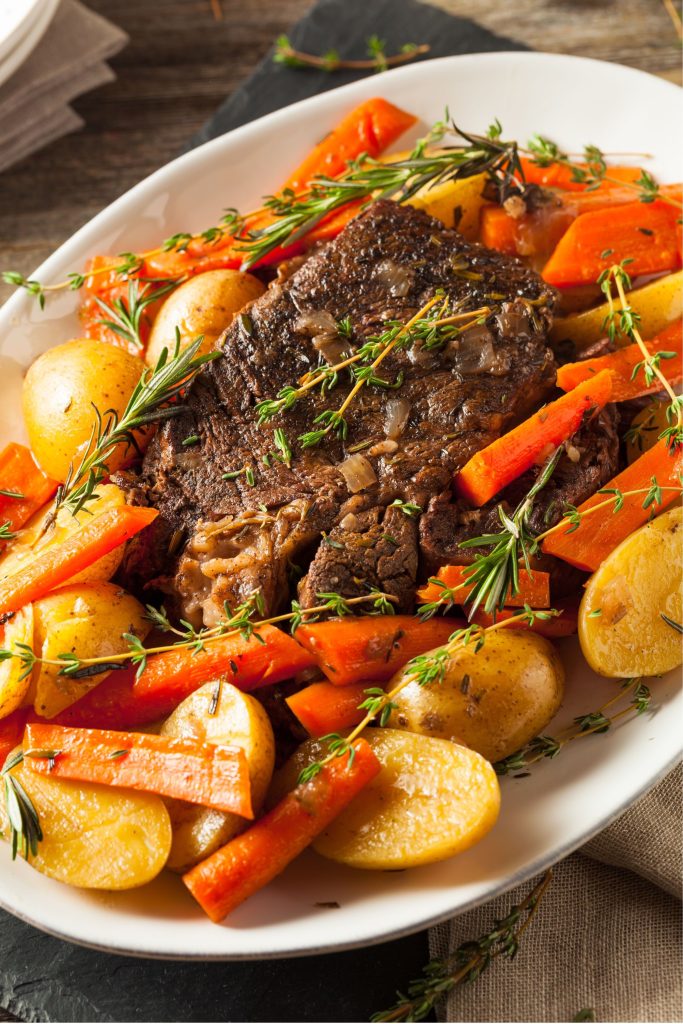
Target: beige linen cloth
606 935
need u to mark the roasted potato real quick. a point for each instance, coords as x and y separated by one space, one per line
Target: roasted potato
238 720
35 537
431 800
203 305
15 681
59 392
494 701
455 203
658 304
621 629
645 429
88 619
95 837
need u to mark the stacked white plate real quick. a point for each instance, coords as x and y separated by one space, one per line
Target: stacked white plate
22 25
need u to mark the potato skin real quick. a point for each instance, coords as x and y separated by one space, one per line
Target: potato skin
14 688
431 800
95 837
204 305
59 392
239 720
87 619
494 701
639 580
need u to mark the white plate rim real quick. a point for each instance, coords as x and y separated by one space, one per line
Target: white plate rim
18 302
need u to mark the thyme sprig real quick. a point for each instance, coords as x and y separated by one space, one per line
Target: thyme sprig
468 961
153 399
123 315
24 823
378 60
588 724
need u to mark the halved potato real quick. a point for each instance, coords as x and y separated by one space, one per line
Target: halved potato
87 619
95 837
36 537
455 203
431 800
15 681
493 701
237 720
645 429
621 628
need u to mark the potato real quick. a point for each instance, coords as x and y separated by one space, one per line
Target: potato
95 837
658 303
431 800
621 629
34 538
239 720
60 389
645 429
204 305
14 680
87 619
494 701
455 203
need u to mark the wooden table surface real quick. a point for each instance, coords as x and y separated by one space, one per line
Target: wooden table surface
181 63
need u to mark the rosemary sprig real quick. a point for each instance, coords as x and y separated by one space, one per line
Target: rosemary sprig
12 494
123 316
468 961
6 531
378 60
24 823
153 399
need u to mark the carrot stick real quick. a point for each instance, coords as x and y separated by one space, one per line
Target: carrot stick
646 234
251 860
122 702
97 537
564 624
21 475
323 707
621 364
600 532
509 456
11 731
179 767
558 176
534 588
373 647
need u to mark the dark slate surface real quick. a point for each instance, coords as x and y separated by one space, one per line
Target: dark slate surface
44 979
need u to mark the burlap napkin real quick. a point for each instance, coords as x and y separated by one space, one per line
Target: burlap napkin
606 936
68 61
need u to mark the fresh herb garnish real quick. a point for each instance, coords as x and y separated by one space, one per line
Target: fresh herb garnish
378 60
124 316
24 823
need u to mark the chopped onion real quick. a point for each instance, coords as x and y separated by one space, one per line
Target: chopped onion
573 453
358 473
330 348
475 353
397 412
387 447
316 321
350 522
395 277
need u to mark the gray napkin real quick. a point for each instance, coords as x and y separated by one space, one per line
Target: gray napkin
68 61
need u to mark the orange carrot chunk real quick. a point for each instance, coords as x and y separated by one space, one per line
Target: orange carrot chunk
509 456
564 624
371 648
251 860
323 707
646 234
122 702
182 768
24 488
97 537
622 365
534 588
559 176
602 531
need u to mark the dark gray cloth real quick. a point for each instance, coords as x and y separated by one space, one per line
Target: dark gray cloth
44 979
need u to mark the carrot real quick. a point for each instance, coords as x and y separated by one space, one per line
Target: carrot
55 565
622 364
323 707
534 588
564 624
558 176
509 456
370 128
11 731
373 647
600 532
251 860
122 702
182 768
646 234
21 475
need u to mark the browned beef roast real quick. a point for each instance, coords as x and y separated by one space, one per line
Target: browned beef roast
228 538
